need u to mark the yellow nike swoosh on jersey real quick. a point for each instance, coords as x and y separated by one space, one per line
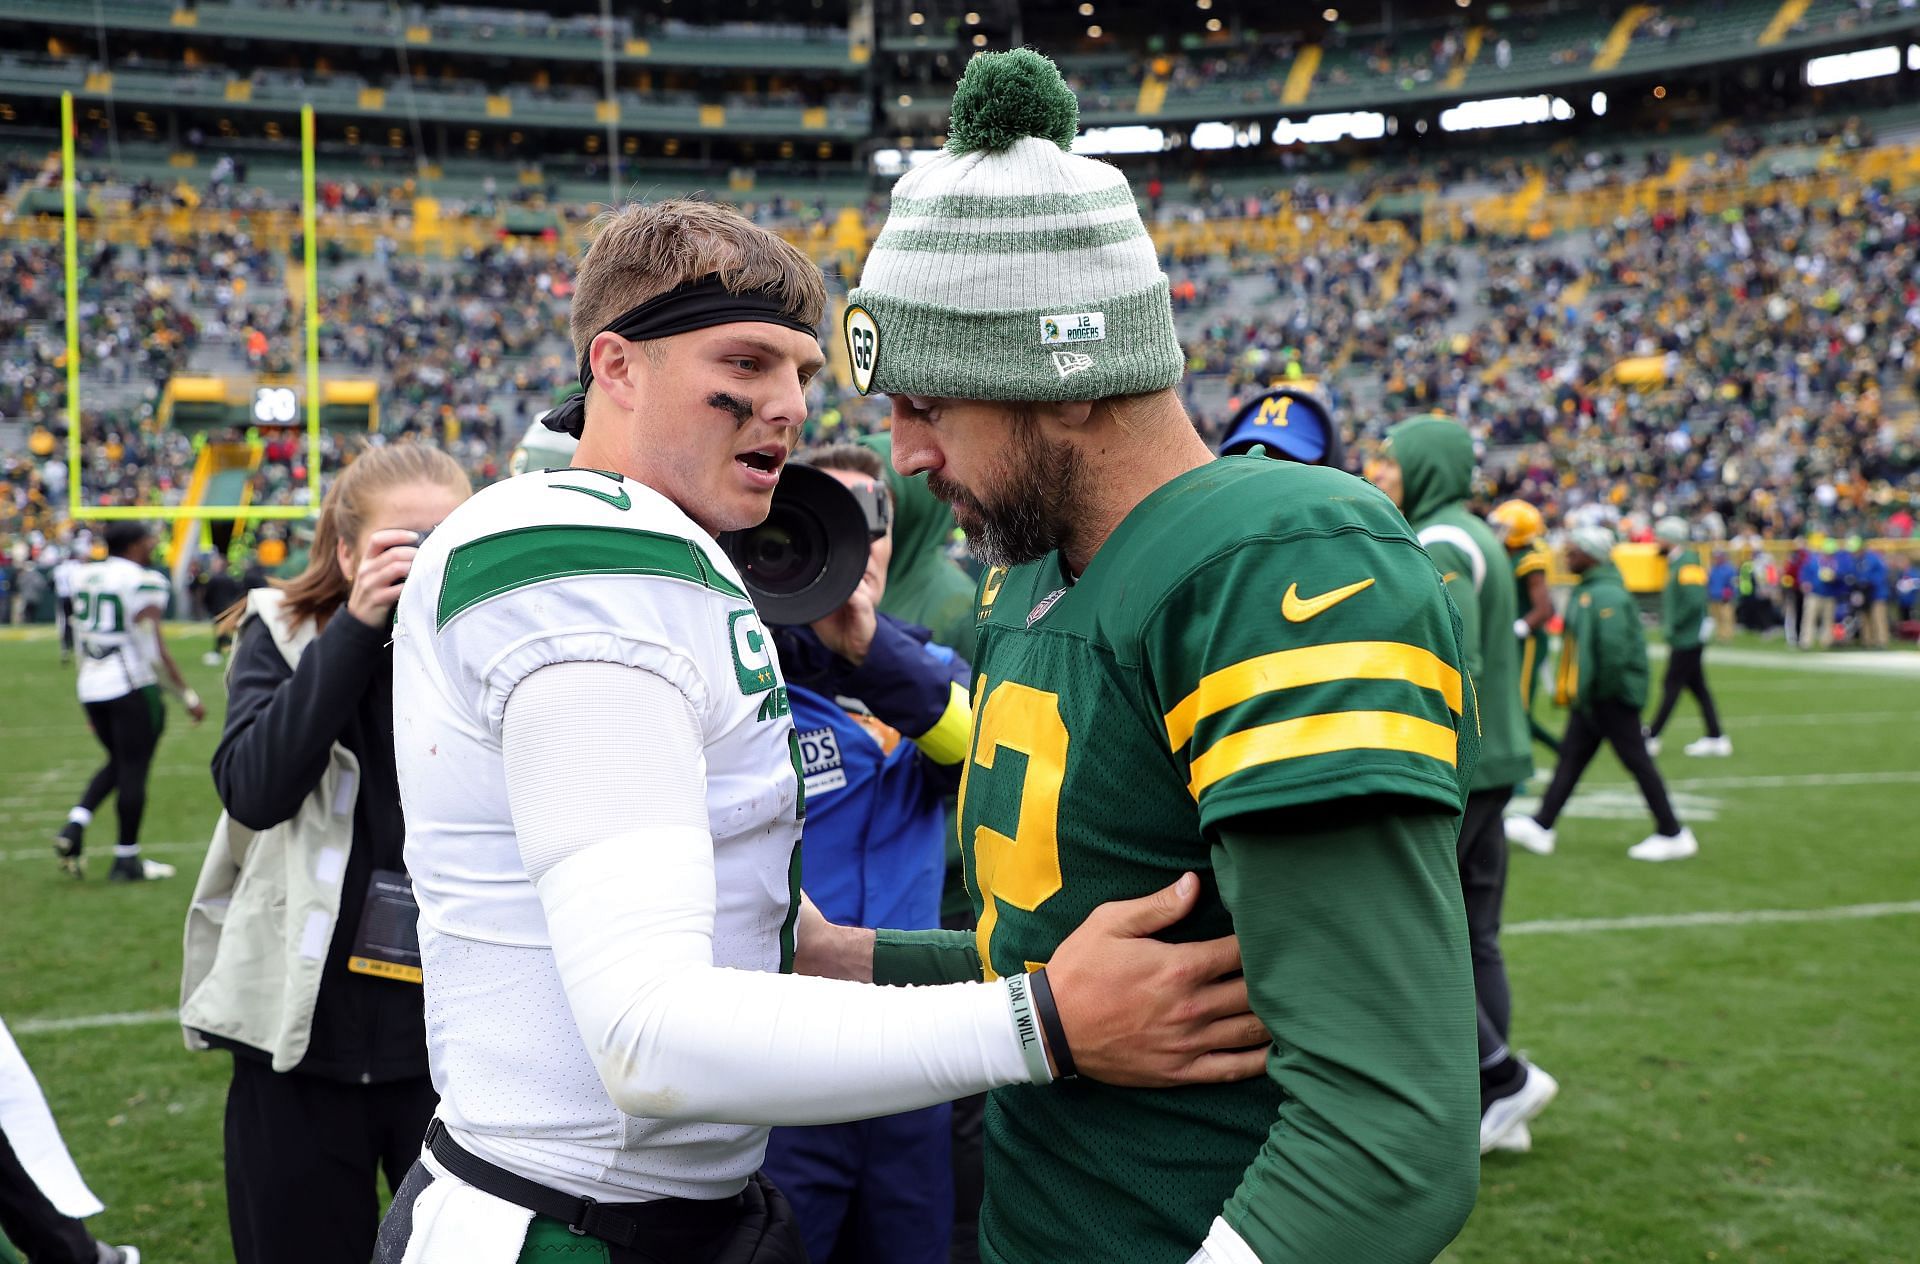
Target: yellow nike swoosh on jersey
1298 609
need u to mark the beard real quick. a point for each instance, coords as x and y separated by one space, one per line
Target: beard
1029 515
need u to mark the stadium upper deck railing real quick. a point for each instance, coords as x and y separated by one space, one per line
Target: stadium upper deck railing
842 240
502 33
841 117
1841 175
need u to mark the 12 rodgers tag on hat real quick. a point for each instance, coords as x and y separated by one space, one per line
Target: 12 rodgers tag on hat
1010 268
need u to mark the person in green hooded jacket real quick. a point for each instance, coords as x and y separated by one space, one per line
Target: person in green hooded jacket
1686 625
1426 468
927 587
1602 680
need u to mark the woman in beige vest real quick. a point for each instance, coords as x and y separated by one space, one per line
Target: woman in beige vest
302 956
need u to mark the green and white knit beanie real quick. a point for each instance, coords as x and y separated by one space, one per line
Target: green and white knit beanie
1011 268
1595 541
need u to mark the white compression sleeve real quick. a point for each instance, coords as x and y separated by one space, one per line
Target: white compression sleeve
1223 1246
561 784
626 878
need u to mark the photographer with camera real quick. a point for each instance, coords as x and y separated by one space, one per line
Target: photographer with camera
882 716
301 954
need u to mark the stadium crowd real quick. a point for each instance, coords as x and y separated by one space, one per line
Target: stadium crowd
1736 366
1763 388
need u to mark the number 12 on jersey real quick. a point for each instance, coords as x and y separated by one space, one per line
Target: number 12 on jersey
1023 870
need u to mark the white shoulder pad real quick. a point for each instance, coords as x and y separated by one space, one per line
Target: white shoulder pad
581 566
1446 533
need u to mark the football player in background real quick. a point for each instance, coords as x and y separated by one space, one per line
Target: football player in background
64 570
1522 529
1602 681
1426 468
1687 625
603 795
1247 668
117 606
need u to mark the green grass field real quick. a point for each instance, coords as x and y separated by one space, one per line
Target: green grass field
1734 1089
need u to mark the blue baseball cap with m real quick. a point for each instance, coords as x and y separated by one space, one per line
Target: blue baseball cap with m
1290 423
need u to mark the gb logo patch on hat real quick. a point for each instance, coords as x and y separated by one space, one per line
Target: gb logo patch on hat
863 346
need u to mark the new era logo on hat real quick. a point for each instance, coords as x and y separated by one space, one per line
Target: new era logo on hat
1068 363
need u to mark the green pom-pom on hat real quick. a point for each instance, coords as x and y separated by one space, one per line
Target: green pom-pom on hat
1006 97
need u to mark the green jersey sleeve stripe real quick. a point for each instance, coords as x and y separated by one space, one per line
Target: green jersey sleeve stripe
1310 665
1323 735
493 565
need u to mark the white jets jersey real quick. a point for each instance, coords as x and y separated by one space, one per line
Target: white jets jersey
564 566
64 572
116 657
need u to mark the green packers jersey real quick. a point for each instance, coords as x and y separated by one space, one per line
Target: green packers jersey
1683 604
1256 637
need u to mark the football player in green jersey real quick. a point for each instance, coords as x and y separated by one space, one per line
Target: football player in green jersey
1602 680
1426 468
1687 626
1242 667
1522 529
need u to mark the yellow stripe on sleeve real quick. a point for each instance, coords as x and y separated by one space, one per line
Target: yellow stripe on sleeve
946 741
1694 576
1323 735
1311 665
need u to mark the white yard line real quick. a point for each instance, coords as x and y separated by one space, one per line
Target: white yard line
1559 926
1554 926
1783 781
1824 717
87 1022
1739 917
1842 662
104 854
1796 780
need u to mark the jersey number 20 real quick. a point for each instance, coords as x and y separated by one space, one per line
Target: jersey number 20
1024 870
93 612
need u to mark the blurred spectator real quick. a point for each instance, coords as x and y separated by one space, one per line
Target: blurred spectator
1875 590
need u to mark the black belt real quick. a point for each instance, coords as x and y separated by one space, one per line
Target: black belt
623 1224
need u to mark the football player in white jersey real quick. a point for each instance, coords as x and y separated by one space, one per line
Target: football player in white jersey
117 607
600 782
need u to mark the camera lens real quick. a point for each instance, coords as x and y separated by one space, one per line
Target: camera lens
809 555
784 554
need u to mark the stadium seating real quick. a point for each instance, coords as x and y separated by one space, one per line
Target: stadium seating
1498 281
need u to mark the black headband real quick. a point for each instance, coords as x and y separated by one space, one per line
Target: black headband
699 304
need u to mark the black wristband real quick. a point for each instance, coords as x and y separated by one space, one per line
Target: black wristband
1049 1015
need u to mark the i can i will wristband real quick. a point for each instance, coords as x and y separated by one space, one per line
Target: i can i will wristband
1026 1028
1050 1023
